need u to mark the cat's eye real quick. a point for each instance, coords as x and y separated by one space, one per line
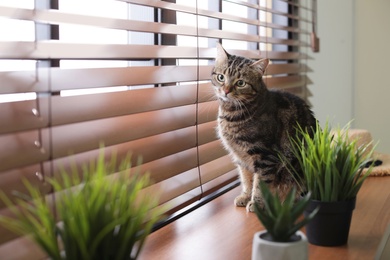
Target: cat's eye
240 83
220 77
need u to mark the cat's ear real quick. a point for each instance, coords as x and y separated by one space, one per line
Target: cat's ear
262 64
222 55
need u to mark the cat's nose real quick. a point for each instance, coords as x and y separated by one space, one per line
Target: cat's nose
227 90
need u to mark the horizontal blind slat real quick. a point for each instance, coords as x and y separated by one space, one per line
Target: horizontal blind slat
62 50
188 9
183 185
286 82
23 115
63 79
207 132
193 10
19 149
11 181
24 81
286 68
144 148
178 203
26 248
96 106
276 55
107 77
219 182
266 9
211 151
39 81
206 92
80 137
216 168
301 6
18 116
207 111
171 165
212 14
57 17
24 148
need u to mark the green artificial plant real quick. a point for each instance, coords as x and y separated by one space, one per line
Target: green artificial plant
331 165
100 216
282 219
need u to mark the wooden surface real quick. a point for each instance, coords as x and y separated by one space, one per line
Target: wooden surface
219 230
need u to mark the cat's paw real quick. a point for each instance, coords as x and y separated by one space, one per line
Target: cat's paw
242 200
250 206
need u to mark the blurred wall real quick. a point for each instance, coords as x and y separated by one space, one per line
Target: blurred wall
333 65
351 73
372 69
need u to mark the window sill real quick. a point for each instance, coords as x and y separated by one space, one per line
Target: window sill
219 230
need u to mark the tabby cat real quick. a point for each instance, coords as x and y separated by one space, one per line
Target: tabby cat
255 123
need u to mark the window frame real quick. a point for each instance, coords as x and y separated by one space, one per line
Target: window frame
200 107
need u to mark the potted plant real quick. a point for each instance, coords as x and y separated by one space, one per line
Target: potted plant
331 168
282 238
100 216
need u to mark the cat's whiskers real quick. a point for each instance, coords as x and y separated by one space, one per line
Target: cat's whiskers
242 106
208 109
210 96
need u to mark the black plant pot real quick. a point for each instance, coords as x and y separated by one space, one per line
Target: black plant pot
330 227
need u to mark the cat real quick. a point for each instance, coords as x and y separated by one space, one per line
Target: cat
254 125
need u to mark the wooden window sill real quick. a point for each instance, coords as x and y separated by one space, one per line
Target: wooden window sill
219 230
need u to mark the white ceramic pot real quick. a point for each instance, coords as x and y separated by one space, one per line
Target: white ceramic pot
267 250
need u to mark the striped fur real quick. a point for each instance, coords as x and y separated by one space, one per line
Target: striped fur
254 124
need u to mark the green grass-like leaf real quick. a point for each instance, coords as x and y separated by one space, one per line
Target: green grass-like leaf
331 165
281 219
101 216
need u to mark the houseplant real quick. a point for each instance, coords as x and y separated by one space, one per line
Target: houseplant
282 238
101 216
331 168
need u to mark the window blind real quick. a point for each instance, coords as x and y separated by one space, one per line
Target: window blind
134 75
